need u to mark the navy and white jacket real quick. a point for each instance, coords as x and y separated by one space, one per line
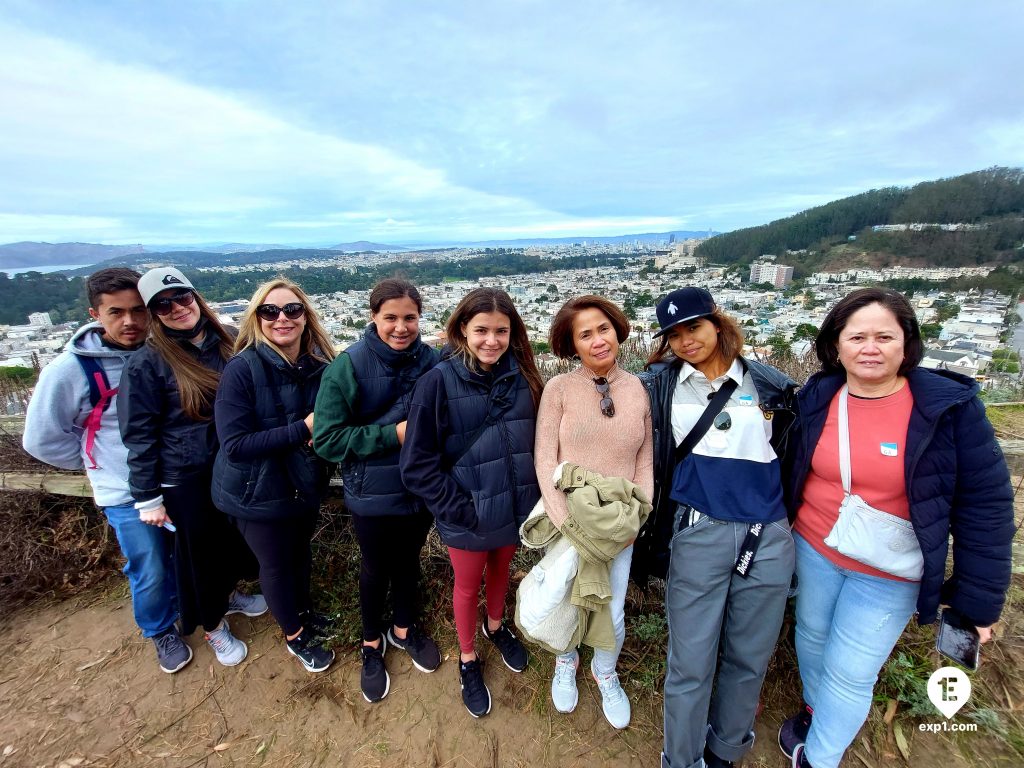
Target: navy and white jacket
776 393
479 491
957 483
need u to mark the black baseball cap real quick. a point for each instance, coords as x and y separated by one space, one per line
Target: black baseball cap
683 304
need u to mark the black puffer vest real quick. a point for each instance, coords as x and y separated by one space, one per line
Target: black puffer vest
286 482
385 378
496 468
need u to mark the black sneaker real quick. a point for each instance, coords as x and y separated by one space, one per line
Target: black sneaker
475 695
793 731
421 649
711 760
513 653
321 626
314 657
374 679
172 652
799 759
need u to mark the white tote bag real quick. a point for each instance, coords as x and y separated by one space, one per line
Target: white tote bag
866 534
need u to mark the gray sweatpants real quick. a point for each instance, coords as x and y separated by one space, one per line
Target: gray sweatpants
711 608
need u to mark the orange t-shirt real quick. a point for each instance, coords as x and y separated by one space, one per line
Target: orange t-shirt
878 437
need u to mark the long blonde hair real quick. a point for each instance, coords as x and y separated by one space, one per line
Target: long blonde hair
315 340
197 384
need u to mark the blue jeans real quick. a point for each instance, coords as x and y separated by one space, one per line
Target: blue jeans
847 624
149 570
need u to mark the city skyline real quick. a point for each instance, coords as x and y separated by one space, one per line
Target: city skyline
315 123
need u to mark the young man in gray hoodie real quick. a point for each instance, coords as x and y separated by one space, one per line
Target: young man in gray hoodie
72 423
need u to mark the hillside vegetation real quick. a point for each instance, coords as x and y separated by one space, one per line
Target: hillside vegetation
991 202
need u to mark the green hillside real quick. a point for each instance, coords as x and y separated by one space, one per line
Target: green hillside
990 203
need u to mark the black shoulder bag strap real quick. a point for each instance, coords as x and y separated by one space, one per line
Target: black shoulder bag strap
704 423
497 404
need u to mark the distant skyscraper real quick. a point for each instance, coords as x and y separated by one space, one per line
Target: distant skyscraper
40 319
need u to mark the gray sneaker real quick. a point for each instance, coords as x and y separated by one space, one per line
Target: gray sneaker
249 605
229 649
614 702
172 652
564 694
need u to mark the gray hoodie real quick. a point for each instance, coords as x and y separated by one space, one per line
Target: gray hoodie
54 424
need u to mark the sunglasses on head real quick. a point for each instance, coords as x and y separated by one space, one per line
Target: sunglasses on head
271 312
603 387
164 306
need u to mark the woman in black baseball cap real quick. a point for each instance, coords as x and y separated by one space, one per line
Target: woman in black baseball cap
719 531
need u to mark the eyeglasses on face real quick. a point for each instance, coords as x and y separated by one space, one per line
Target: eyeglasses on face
603 388
723 421
164 306
271 312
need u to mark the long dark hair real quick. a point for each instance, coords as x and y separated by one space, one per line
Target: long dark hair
826 343
484 300
197 384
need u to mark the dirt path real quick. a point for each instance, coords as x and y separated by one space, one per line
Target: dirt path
79 686
78 683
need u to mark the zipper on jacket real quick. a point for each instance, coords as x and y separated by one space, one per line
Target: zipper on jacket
511 466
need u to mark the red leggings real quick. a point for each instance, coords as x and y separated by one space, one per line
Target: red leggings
469 570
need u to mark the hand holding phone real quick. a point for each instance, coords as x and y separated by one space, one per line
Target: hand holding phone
958 639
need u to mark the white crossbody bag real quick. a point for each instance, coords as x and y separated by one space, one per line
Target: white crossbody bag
866 534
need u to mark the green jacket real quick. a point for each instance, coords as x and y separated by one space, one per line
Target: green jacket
605 515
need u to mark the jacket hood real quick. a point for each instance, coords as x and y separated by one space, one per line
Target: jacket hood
88 342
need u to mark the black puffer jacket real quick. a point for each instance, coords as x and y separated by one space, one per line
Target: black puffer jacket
265 468
164 445
957 482
777 395
468 452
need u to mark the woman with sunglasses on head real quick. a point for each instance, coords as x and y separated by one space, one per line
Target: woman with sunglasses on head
360 423
719 532
468 453
598 417
266 476
165 410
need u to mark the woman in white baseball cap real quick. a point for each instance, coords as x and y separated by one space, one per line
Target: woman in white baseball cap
165 409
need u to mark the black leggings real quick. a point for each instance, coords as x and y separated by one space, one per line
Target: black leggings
390 547
209 555
282 548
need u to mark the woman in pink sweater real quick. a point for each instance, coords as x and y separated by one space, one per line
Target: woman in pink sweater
597 416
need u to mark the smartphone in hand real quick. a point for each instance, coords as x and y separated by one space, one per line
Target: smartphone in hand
958 640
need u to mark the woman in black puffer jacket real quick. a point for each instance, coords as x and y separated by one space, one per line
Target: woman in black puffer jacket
266 476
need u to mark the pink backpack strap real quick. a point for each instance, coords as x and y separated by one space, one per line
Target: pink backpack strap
93 420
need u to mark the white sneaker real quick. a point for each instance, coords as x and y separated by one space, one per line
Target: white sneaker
229 649
248 605
563 684
613 699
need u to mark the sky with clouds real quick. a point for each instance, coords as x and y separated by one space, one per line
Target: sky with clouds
295 122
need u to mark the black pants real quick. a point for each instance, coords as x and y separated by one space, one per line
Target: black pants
390 547
209 554
282 548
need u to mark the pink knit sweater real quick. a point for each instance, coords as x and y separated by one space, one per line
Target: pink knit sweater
571 427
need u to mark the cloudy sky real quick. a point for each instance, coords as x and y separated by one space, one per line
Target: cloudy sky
323 122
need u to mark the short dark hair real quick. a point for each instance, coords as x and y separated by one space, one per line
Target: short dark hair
394 288
826 343
560 336
110 280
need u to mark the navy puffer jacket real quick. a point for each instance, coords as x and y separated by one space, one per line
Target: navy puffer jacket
957 483
479 491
